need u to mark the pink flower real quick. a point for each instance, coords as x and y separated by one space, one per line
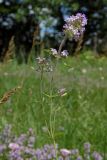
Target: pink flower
13 146
65 152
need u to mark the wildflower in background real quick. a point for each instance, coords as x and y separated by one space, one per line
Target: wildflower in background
30 131
62 92
75 26
54 52
97 156
84 71
48 152
44 65
87 147
2 148
41 60
6 136
31 141
79 158
74 152
87 150
102 78
65 152
15 155
13 146
38 153
64 53
100 68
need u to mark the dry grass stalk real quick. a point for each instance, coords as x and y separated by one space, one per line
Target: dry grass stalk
36 33
10 50
8 94
35 41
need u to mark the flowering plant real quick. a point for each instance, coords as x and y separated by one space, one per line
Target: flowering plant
73 29
75 26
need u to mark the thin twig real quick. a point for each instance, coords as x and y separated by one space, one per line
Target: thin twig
62 44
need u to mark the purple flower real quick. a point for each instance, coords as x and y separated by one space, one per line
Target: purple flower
21 140
30 132
31 141
2 148
87 147
64 53
14 146
65 152
97 156
75 25
74 152
79 158
22 147
15 155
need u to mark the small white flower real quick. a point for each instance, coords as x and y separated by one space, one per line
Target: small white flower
102 78
84 71
54 52
100 68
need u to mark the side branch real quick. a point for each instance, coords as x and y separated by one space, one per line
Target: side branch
62 44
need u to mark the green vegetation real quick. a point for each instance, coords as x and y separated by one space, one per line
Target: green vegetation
70 120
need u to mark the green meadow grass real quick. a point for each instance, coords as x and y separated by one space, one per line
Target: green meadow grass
71 120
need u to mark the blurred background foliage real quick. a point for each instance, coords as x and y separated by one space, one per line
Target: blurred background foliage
22 17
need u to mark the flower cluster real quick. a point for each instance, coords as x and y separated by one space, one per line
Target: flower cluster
64 53
23 148
43 65
75 26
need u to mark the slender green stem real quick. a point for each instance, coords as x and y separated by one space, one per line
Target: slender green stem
41 87
51 105
51 89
